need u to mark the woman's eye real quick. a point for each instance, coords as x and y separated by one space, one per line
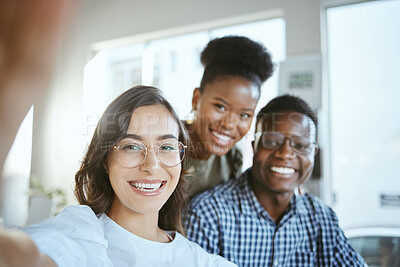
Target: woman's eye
167 147
245 115
220 107
132 147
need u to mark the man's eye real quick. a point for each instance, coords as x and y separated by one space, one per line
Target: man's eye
271 143
302 145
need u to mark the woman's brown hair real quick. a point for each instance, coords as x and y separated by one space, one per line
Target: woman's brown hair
92 184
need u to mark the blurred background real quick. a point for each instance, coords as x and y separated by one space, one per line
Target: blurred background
342 56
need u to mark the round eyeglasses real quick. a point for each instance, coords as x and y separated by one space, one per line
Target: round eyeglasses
131 154
274 141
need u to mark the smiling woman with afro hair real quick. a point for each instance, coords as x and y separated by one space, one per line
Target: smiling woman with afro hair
235 67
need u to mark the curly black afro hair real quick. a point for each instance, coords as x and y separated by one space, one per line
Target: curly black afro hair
288 103
236 56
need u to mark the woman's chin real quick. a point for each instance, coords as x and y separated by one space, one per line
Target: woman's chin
219 150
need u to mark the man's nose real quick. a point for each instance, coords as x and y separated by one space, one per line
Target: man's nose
286 150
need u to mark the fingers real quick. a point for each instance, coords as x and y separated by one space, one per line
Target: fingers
30 40
30 32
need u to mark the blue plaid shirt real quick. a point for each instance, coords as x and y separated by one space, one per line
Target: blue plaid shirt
229 221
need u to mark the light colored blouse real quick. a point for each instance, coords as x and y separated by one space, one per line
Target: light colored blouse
77 237
215 170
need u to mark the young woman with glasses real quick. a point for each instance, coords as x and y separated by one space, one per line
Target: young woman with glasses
131 192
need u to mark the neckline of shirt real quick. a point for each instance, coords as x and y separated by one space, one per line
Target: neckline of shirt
172 235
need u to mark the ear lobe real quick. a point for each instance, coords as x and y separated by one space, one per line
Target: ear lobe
195 98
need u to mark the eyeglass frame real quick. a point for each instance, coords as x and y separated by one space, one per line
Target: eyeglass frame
146 153
314 144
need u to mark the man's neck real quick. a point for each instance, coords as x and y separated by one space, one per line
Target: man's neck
275 203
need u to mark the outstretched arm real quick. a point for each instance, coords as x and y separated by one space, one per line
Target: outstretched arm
18 249
30 34
29 40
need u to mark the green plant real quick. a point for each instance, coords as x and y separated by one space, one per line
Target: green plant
57 194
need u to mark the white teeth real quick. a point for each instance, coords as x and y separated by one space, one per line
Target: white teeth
146 187
223 138
282 170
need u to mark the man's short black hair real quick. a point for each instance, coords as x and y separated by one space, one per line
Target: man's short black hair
288 103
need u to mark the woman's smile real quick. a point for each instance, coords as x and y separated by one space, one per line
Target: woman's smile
148 187
222 139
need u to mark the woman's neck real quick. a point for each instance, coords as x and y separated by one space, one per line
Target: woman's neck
142 225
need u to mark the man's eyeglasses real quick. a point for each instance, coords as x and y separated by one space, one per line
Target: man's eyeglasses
131 153
275 140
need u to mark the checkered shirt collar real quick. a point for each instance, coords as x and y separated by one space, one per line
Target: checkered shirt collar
249 204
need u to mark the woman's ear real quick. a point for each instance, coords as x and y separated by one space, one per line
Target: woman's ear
195 98
105 165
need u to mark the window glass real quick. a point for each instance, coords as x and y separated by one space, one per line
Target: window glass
364 63
378 250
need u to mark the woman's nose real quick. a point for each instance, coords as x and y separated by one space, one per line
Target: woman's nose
229 122
152 161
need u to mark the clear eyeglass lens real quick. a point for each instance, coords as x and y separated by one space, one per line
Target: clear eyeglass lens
301 144
171 153
131 154
273 141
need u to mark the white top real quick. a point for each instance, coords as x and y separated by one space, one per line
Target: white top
77 237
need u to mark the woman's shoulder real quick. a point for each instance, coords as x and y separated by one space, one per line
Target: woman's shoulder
197 256
235 159
75 214
77 221
71 238
235 154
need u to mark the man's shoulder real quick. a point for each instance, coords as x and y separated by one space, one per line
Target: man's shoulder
316 206
314 201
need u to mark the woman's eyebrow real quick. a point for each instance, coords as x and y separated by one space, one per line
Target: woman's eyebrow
161 137
167 136
222 100
227 104
133 136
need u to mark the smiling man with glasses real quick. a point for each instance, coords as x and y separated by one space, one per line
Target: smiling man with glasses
261 219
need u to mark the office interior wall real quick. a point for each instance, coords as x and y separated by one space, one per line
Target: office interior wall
58 128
